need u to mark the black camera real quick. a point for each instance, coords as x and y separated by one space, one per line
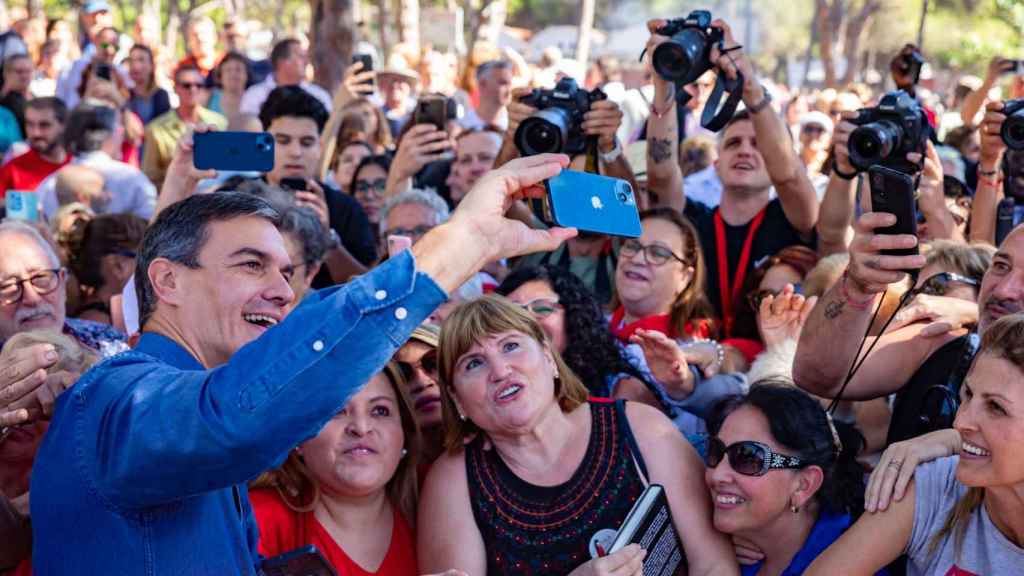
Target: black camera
556 125
687 55
1013 127
888 132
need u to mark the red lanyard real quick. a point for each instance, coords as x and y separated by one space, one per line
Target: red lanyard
729 293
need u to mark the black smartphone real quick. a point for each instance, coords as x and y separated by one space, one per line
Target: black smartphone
305 561
104 71
432 109
1004 219
367 61
295 184
234 151
893 192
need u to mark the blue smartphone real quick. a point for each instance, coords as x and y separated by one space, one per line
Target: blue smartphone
234 151
22 205
593 203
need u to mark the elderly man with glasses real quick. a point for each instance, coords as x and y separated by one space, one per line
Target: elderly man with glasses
163 133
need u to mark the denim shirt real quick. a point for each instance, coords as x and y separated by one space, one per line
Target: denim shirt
144 466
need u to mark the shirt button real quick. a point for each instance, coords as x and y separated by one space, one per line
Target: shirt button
380 294
318 345
401 313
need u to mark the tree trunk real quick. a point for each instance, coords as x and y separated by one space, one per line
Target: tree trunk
829 22
331 38
586 27
854 31
809 55
920 27
34 8
409 22
383 20
173 26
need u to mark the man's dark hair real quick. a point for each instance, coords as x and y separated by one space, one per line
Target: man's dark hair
88 127
59 108
282 51
295 102
179 233
186 68
15 57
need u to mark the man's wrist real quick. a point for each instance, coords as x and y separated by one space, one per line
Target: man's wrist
432 255
753 92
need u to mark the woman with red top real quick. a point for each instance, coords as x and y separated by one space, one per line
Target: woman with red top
351 490
664 318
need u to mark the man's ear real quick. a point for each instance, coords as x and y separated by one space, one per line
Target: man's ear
166 280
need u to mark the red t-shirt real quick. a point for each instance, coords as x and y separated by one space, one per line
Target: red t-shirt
27 171
283 530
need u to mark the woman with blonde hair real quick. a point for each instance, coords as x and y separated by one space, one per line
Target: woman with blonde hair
351 490
537 479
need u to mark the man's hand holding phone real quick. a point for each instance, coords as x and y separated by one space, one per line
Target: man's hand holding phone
870 272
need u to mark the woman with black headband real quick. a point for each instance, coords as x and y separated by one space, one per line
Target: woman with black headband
783 477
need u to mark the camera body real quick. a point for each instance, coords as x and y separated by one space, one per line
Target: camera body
888 132
1012 130
687 55
556 125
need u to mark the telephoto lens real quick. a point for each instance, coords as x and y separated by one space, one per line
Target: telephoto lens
871 143
546 131
888 132
1012 131
687 53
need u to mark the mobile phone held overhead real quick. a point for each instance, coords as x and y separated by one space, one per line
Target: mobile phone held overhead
234 151
593 203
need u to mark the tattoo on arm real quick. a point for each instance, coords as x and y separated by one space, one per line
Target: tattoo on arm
660 149
834 308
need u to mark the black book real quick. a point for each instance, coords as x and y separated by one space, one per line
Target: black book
649 524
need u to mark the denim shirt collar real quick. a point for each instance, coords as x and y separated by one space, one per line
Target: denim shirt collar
167 350
826 530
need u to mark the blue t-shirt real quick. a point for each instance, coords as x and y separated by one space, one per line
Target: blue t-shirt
826 530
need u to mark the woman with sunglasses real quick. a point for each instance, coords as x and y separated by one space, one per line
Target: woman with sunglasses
573 321
350 490
961 514
369 181
537 479
664 318
417 361
783 477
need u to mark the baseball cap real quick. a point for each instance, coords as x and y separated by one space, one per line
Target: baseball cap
95 6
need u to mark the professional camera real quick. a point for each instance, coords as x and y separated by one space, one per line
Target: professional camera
1013 127
687 55
555 126
888 132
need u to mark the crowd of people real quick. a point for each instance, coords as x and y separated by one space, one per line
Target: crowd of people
381 348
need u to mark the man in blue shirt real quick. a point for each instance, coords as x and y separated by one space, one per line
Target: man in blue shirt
143 469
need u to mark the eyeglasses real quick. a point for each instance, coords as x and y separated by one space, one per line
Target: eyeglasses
189 85
377 187
44 282
542 307
415 232
756 297
427 363
653 253
813 129
749 458
938 285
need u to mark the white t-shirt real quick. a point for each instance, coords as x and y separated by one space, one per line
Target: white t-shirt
985 549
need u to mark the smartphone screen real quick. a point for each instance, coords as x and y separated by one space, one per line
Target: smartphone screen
103 71
893 192
593 203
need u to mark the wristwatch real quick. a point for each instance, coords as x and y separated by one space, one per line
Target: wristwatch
765 101
613 155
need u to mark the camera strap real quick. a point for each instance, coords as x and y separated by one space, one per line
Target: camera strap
717 115
592 166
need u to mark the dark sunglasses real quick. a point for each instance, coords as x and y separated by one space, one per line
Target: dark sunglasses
756 297
190 85
938 285
749 458
427 363
957 219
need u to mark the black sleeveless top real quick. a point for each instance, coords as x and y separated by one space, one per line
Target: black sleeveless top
530 529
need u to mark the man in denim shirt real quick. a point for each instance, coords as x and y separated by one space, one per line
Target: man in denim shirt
143 469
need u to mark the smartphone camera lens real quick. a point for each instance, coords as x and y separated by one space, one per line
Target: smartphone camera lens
622 192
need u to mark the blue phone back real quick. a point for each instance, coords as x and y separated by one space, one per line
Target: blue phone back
593 203
234 151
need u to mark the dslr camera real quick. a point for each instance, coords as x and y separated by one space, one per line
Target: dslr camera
1012 131
888 132
687 55
555 126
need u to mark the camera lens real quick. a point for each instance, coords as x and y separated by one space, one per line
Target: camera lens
1013 130
872 143
675 60
544 132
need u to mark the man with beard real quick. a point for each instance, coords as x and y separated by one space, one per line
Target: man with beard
924 360
44 130
475 153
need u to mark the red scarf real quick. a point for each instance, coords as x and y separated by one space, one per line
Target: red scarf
659 323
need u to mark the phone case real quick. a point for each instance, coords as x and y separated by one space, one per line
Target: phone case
432 111
234 151
893 192
593 203
22 205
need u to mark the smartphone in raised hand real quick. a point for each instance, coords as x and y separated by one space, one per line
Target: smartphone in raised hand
397 244
234 151
892 191
592 203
